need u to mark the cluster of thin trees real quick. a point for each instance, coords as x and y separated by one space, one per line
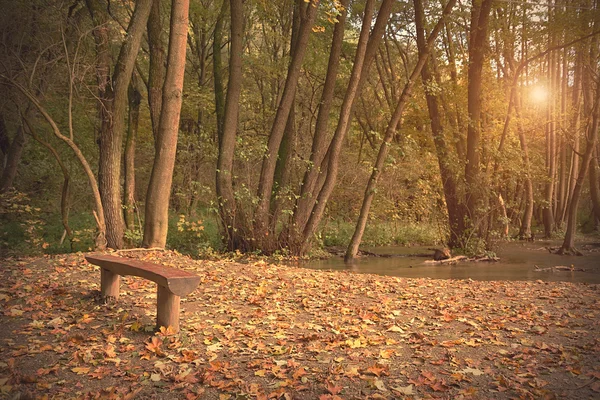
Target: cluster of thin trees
279 90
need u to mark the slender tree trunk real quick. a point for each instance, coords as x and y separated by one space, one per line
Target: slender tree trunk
548 205
135 98
475 190
4 144
265 183
525 228
233 221
449 183
568 246
562 149
591 102
319 144
366 50
283 166
218 70
158 63
99 213
156 222
113 95
391 129
65 192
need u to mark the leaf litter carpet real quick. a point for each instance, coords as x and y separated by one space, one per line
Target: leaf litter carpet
255 330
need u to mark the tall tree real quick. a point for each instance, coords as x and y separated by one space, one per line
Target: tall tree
475 190
267 174
129 203
159 189
228 209
424 50
438 131
368 43
113 105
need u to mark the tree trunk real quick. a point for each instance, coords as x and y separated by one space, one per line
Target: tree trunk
265 183
568 246
135 98
365 52
233 221
99 213
595 190
449 183
319 144
525 229
391 129
114 99
475 190
548 205
218 70
592 112
64 198
156 222
158 61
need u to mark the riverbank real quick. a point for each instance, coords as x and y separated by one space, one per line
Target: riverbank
257 330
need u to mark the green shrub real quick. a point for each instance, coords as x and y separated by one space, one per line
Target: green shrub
378 233
193 236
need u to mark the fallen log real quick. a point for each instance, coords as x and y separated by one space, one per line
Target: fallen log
452 260
558 268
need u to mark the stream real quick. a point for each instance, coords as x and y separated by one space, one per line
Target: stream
518 261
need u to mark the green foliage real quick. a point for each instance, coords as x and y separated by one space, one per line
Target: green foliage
193 236
381 233
21 231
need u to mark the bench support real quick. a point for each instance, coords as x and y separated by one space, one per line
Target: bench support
167 309
109 285
172 284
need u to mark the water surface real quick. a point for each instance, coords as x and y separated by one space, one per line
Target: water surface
518 261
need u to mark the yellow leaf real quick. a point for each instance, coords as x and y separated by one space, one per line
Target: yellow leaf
386 353
80 370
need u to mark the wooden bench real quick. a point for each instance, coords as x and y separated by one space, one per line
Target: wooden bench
172 283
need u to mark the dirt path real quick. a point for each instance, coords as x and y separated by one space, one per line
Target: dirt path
264 331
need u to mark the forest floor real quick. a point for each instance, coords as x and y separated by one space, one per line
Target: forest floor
258 330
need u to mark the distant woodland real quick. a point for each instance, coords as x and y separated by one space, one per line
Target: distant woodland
279 127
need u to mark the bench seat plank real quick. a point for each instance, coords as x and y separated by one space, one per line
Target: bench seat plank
179 282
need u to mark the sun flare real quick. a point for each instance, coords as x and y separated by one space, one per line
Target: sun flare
539 94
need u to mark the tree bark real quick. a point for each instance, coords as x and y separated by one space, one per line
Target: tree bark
135 98
525 228
391 129
158 61
265 183
448 175
233 222
365 52
595 190
568 245
475 195
99 214
65 192
319 144
218 70
114 103
156 222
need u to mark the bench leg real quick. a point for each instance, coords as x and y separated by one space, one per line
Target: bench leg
167 309
109 285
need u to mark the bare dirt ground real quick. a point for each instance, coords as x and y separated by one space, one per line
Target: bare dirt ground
261 331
